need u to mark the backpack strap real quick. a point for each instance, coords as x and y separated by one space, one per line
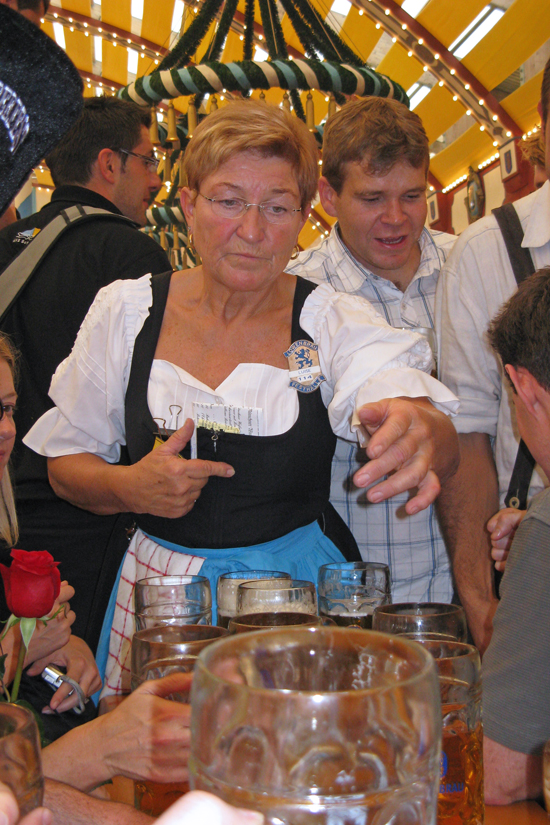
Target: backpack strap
19 272
522 266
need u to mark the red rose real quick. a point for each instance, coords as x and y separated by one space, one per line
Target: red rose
32 583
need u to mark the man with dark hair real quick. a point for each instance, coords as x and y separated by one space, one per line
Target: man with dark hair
374 180
516 677
106 160
476 280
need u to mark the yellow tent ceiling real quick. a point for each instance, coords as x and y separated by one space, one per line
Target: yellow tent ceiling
521 31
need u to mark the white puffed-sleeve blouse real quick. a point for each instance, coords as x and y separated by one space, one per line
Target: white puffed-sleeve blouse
363 358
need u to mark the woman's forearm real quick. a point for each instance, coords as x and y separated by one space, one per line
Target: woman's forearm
91 483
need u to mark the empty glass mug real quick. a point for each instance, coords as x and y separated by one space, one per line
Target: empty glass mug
177 600
319 725
442 621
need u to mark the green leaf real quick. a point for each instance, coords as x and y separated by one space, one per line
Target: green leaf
13 620
27 629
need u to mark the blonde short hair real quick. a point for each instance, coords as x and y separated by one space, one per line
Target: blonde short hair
253 126
8 520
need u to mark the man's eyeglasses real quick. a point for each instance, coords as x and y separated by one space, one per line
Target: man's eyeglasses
153 163
234 208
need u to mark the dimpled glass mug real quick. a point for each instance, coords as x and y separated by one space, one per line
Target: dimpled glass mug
157 652
172 600
461 800
318 726
446 622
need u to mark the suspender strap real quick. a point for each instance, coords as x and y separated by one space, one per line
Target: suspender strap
521 478
512 232
522 266
16 276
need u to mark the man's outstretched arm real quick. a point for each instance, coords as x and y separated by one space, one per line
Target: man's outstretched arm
466 503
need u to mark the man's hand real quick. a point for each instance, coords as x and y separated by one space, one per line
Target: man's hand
414 443
164 484
198 808
502 527
78 660
147 736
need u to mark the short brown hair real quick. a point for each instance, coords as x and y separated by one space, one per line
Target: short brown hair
533 149
520 333
253 126
104 123
375 132
545 93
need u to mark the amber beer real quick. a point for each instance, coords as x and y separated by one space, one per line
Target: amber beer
460 800
153 798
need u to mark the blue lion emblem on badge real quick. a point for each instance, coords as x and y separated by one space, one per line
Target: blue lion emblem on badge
303 358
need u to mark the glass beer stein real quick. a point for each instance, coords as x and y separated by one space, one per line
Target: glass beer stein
158 652
461 799
349 591
318 726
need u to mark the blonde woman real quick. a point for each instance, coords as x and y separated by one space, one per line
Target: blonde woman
53 643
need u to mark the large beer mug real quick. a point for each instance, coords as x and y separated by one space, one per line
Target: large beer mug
294 596
157 652
265 621
446 622
20 756
228 583
461 776
350 590
172 600
318 726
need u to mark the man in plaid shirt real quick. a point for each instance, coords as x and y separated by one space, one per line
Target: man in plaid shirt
374 180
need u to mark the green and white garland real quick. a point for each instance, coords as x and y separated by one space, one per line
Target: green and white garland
246 75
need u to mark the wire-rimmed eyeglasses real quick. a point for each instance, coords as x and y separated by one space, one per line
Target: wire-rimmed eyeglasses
234 208
152 162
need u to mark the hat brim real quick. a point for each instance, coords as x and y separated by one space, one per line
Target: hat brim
39 81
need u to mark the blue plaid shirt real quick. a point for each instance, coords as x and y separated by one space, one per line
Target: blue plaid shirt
412 546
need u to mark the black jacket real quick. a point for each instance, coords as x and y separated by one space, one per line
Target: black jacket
45 319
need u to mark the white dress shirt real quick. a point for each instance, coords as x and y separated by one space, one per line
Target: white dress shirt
412 546
475 282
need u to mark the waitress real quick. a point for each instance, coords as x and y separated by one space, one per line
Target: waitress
264 368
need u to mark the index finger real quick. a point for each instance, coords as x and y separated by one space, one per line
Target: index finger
199 468
391 428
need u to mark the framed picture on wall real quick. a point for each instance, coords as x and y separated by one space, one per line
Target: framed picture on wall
433 209
508 160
